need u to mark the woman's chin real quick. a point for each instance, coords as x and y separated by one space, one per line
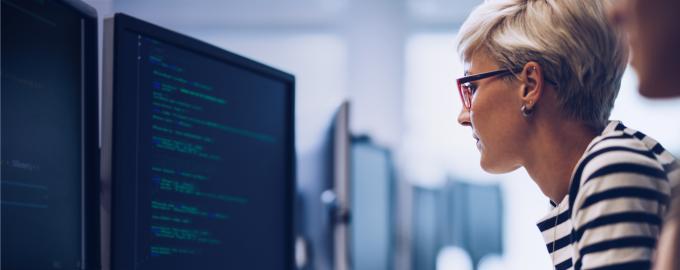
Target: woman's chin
496 167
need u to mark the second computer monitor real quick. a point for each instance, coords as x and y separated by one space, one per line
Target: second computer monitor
202 154
48 135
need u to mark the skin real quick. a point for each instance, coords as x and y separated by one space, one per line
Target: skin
669 246
547 144
653 27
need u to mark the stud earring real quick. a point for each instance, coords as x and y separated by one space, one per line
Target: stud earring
526 110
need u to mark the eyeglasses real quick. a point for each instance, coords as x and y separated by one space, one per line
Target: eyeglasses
467 89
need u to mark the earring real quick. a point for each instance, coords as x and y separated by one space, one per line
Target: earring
526 111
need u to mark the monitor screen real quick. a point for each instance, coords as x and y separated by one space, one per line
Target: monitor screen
203 154
49 135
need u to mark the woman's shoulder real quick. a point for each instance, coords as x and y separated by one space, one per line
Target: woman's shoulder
620 161
619 144
619 195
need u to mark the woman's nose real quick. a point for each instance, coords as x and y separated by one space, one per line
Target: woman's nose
464 117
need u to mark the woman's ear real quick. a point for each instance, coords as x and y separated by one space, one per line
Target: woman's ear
532 77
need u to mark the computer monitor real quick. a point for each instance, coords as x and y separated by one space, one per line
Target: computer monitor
342 188
323 210
49 135
373 187
474 211
202 158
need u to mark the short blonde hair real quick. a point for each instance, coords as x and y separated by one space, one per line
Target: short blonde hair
572 40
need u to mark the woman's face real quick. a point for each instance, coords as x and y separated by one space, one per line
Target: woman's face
495 118
654 33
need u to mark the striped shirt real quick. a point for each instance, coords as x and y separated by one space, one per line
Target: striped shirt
618 195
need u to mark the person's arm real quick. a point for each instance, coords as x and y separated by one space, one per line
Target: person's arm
617 215
668 250
668 254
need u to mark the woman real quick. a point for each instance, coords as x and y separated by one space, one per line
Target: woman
543 77
654 28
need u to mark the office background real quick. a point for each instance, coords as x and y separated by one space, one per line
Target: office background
396 62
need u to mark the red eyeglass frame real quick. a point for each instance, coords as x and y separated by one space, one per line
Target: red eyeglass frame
467 103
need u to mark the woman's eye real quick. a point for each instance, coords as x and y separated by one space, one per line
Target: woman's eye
473 88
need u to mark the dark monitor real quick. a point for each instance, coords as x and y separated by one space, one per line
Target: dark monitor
202 154
49 135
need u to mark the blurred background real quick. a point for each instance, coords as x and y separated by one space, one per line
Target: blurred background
418 198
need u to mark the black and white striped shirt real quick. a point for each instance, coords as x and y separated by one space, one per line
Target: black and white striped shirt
618 195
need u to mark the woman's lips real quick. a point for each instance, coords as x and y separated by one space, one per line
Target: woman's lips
478 144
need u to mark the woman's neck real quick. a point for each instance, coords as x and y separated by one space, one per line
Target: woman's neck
553 151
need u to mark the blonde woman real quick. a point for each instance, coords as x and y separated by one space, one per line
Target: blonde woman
541 80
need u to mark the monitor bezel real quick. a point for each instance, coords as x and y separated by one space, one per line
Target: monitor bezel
90 133
122 22
91 142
